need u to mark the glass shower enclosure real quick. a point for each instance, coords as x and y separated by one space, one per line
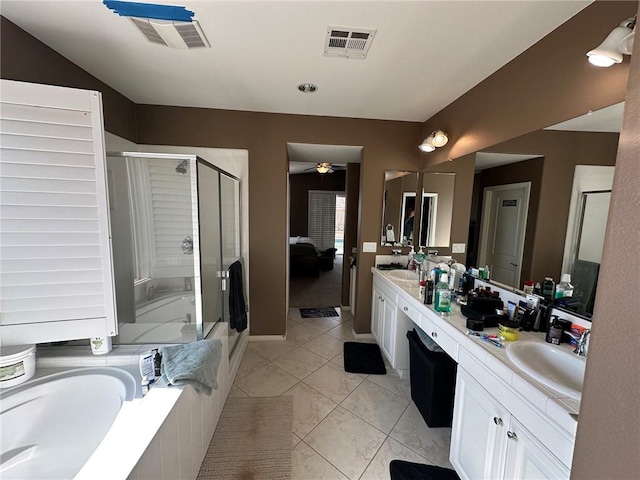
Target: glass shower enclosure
175 222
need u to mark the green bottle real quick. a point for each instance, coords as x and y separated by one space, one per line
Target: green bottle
442 300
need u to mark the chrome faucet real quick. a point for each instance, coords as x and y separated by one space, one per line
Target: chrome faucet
581 348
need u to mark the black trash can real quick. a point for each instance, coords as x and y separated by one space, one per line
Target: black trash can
433 380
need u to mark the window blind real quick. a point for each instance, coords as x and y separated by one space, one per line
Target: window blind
55 257
322 219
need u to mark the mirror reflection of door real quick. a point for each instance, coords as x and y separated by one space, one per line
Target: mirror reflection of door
408 215
504 221
428 216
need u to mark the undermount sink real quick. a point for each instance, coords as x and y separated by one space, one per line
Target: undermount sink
550 365
403 275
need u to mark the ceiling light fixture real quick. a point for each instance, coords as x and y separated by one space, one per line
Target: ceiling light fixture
435 140
323 167
308 87
617 43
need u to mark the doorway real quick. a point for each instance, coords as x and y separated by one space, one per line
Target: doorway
322 223
504 220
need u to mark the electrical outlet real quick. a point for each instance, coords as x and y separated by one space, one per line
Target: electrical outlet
369 247
458 248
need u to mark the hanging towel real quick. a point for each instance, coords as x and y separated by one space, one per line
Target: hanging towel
193 364
237 306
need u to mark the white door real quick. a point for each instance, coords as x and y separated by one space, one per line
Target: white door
504 222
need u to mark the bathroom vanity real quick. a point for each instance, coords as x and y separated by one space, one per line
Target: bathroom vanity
505 423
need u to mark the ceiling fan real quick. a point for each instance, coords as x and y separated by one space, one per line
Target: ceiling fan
325 167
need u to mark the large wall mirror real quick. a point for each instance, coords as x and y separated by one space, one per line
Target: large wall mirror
569 168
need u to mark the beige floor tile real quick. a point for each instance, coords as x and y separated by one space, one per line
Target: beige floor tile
346 441
236 392
302 333
251 362
432 443
269 381
344 332
306 464
300 362
325 345
309 408
376 405
392 382
333 382
272 350
378 469
325 323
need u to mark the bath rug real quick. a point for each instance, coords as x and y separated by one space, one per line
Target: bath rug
363 358
252 440
318 312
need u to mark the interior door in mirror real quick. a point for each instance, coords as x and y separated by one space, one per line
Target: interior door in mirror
436 209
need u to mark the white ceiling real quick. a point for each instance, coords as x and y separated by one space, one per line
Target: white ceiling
304 156
486 160
607 119
425 53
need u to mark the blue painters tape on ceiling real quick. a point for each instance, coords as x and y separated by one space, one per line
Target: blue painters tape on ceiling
150 10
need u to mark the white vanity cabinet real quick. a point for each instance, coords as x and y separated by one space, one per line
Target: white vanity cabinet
488 442
389 327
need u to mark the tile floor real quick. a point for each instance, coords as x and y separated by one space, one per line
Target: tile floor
346 426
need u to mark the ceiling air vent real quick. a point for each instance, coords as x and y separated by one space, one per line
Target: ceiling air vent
348 42
182 35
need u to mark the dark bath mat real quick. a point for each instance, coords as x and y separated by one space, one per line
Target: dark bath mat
318 312
363 358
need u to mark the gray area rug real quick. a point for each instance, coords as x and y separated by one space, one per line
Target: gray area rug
252 441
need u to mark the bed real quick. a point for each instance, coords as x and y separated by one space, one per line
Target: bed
304 259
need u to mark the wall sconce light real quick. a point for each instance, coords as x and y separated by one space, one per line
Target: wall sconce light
436 139
617 43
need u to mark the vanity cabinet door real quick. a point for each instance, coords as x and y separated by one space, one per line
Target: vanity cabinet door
376 315
389 329
479 431
527 458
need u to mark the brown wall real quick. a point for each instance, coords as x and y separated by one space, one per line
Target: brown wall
547 84
386 145
608 439
527 171
562 151
350 226
299 186
24 58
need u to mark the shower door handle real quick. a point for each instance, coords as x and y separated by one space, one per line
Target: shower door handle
223 275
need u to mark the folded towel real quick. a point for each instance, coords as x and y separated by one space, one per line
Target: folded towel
193 364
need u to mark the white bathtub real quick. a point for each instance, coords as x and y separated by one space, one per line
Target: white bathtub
52 425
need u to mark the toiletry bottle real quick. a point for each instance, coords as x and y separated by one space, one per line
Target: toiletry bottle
422 290
564 288
144 385
442 298
429 291
548 288
410 264
528 287
554 334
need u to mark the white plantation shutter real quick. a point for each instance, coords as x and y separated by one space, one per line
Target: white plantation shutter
55 258
322 219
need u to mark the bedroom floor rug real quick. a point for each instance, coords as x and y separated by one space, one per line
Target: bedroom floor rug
252 441
363 358
318 312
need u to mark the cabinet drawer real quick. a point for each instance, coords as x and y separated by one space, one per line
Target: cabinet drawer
447 343
409 310
388 291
